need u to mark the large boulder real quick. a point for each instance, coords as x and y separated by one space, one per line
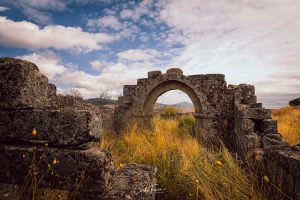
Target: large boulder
295 102
22 86
85 174
134 181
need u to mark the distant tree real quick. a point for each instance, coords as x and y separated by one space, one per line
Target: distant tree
75 93
103 97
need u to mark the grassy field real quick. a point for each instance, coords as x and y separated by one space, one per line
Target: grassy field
288 119
185 169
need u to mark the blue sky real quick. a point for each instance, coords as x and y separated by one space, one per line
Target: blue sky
98 46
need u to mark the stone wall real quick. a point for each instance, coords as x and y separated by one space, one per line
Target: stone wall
230 113
48 137
256 136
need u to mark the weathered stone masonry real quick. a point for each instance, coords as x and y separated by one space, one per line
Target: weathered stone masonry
65 129
229 112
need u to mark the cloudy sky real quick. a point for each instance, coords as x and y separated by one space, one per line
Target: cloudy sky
97 46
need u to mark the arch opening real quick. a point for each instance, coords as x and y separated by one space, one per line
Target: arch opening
164 87
176 100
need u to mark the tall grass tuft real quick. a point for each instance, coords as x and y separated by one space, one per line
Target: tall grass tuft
186 169
288 119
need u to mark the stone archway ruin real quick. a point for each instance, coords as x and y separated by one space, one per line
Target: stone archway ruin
230 112
138 100
68 126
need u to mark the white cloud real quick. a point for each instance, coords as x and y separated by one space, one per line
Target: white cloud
138 54
142 8
108 21
56 36
48 63
96 64
245 40
126 13
2 9
43 4
36 10
110 79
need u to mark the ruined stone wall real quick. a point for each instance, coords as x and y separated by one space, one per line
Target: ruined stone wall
256 136
230 112
60 145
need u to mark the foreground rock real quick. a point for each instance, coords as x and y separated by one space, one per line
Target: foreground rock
283 166
86 173
133 182
46 139
28 101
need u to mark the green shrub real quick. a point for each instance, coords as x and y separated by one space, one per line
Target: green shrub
187 122
170 111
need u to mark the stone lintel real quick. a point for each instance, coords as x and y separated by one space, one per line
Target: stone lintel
256 113
57 127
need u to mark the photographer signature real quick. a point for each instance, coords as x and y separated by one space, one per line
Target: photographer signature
151 189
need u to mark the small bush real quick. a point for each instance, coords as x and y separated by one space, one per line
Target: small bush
187 122
170 111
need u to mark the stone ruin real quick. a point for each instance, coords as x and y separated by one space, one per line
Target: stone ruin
228 112
66 128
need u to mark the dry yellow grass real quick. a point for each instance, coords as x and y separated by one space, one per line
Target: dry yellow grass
185 169
288 119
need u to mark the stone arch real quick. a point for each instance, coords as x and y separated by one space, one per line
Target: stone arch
205 91
166 86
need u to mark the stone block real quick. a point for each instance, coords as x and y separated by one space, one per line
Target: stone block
134 181
154 74
272 144
84 173
247 126
248 99
22 86
256 113
63 102
215 77
269 141
142 81
65 127
247 89
274 136
175 71
269 126
253 141
256 105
